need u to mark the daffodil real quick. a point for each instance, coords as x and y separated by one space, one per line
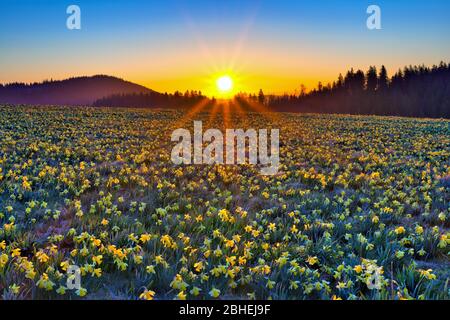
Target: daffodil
147 295
215 293
312 260
358 268
399 230
14 288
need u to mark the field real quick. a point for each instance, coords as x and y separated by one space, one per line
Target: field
359 209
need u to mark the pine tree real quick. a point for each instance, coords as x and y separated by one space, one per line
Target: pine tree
371 79
383 79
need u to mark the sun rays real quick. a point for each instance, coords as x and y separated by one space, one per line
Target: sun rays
224 78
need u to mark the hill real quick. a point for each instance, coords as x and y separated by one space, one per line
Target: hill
73 91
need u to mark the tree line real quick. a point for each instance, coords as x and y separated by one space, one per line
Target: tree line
416 91
154 100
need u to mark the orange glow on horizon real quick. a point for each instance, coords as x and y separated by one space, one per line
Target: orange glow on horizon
247 83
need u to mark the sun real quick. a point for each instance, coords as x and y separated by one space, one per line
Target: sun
224 84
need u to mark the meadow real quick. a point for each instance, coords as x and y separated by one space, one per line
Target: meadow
359 208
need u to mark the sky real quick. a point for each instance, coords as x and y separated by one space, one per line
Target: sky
169 45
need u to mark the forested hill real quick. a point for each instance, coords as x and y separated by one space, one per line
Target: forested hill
73 91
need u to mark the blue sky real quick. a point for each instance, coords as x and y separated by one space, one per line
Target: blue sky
180 44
